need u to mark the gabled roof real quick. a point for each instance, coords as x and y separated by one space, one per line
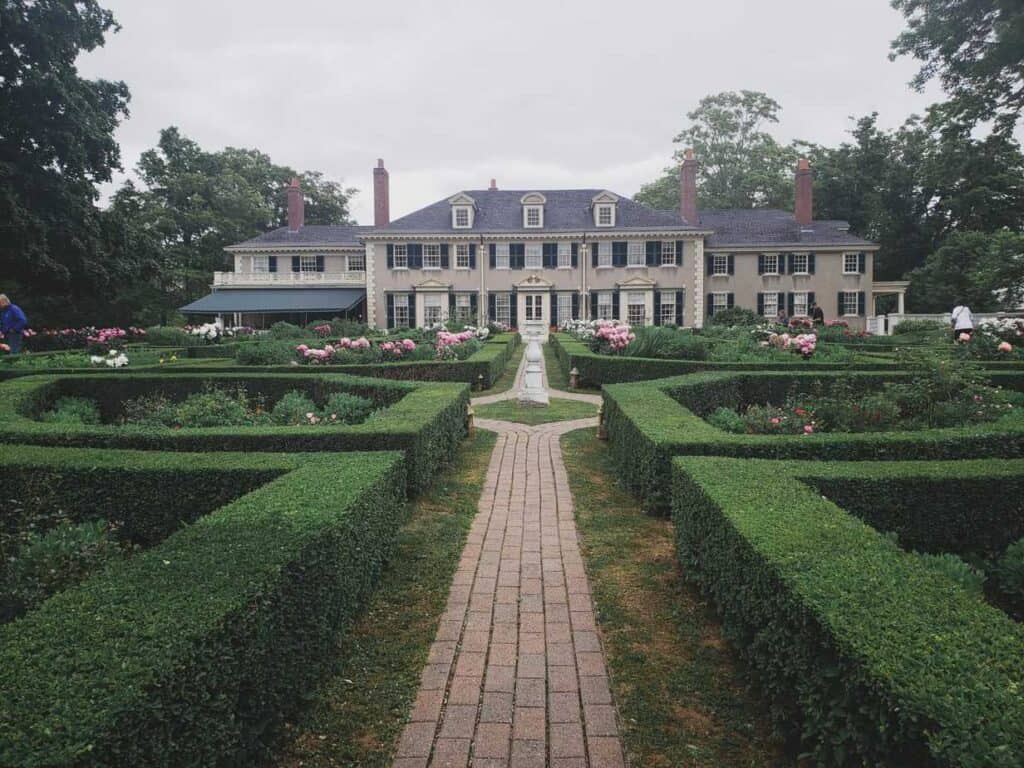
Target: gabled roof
310 234
765 226
566 210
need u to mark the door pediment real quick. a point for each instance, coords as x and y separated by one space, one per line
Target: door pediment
534 283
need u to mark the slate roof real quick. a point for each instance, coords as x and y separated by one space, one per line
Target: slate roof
310 234
766 226
566 210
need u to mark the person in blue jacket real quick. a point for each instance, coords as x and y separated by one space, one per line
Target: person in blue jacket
12 323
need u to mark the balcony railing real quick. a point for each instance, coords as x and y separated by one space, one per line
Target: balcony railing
282 279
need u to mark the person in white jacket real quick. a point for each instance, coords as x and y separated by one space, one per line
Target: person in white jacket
963 321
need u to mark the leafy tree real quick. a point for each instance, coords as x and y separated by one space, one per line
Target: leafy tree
984 270
56 144
976 49
741 166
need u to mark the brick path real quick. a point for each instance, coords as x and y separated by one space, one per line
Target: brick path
516 676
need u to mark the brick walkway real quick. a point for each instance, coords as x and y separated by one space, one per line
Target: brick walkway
516 676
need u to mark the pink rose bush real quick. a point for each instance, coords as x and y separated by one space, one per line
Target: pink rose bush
323 331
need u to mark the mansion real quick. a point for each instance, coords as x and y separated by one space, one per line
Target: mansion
535 258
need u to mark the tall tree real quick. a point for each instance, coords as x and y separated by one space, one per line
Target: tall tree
985 270
976 49
56 145
742 166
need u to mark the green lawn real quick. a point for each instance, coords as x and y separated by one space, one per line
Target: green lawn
558 410
508 377
558 377
355 718
680 691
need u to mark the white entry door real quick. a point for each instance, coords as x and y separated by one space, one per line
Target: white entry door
535 315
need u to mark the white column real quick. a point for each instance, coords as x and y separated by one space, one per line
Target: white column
902 295
371 284
698 283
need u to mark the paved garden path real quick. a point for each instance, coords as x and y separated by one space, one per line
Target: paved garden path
516 676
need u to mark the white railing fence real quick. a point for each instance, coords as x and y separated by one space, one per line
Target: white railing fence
884 325
280 279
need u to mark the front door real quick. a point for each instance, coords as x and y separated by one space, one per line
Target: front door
535 319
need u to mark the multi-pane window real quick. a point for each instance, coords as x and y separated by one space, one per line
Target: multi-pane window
668 253
462 217
635 254
851 263
534 307
636 307
463 308
503 306
533 216
501 256
850 304
433 308
771 304
307 263
260 263
604 254
800 308
431 256
534 256
401 304
798 262
564 255
771 263
401 256
719 301
604 306
720 264
462 255
604 215
564 308
667 308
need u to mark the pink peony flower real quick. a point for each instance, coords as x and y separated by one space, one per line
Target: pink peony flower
808 429
409 344
774 420
1005 347
963 338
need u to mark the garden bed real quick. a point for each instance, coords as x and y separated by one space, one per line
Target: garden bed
191 652
868 654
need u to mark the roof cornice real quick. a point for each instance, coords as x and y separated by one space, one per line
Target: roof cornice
601 234
773 247
292 247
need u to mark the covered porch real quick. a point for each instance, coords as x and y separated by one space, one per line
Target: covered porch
261 307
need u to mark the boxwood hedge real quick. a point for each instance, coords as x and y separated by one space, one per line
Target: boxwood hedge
868 656
424 420
188 654
650 422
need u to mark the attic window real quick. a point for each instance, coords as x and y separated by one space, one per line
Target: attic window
533 216
605 215
461 217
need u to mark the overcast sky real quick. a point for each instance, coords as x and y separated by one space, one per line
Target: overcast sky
537 94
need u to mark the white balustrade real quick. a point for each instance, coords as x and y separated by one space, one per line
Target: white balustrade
282 279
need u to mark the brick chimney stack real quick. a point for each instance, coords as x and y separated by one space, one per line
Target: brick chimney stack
803 209
381 196
688 188
296 206
494 185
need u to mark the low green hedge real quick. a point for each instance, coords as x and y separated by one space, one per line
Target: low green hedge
192 652
424 420
650 422
868 656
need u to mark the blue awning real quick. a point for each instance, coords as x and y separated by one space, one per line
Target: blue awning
271 300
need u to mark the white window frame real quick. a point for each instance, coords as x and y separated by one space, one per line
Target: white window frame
849 258
462 217
773 260
307 262
720 301
668 253
770 309
605 306
533 307
260 264
534 258
636 255
795 261
433 309
563 307
801 304
667 300
463 307
400 256
501 256
462 255
604 253
533 216
400 303
355 262
719 265
431 256
604 216
503 309
636 308
848 297
565 255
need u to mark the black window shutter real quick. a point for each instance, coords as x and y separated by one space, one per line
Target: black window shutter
810 263
861 303
490 307
619 250
679 307
679 255
319 263
615 305
711 304
444 256
575 306
593 306
839 304
760 303
472 255
709 261
575 255
549 255
391 256
551 309
295 263
391 311
513 309
790 302
810 301
760 263
732 264
517 255
415 251
657 308
862 263
593 254
493 251
272 263
653 253
731 299
451 306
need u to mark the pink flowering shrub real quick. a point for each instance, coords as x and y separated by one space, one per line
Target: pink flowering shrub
610 337
323 331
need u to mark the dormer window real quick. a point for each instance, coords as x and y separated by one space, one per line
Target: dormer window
533 215
533 210
604 216
604 205
463 210
462 217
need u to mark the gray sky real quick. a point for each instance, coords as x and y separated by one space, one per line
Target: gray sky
536 94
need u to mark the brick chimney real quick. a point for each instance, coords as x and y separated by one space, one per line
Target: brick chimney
803 209
381 196
296 206
688 188
494 185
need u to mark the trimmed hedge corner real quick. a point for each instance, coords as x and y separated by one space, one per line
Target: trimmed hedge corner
190 653
868 656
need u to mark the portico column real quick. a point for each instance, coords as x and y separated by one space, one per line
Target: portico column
900 301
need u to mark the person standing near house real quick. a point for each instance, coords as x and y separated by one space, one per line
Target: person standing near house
12 323
781 317
817 314
962 320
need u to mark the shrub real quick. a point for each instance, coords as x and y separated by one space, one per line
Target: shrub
72 410
292 408
736 316
728 420
1010 571
151 410
349 409
168 336
214 408
921 328
265 353
966 576
283 330
667 343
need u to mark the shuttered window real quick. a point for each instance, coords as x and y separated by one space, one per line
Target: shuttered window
401 303
668 253
401 256
635 254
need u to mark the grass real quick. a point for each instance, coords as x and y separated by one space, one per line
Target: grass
558 410
355 718
680 691
508 376
558 377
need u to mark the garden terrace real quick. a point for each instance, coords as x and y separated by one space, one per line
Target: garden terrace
424 420
868 655
195 648
650 422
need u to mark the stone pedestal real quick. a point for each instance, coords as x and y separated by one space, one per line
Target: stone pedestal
532 389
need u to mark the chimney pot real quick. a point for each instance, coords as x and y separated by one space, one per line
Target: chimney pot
688 187
381 195
494 184
296 206
803 208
